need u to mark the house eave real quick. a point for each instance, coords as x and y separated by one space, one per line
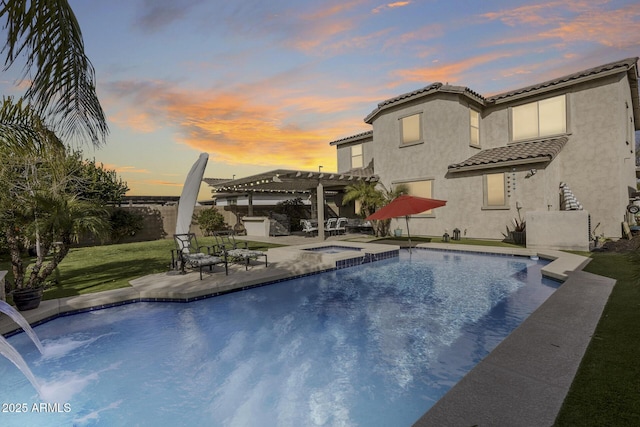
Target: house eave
554 87
497 165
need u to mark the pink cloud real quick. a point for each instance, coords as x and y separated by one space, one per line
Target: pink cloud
391 6
237 127
450 72
573 21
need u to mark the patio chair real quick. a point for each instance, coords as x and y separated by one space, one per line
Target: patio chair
227 242
308 228
189 254
341 226
331 225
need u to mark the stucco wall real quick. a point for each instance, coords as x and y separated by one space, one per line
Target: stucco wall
562 230
597 162
344 154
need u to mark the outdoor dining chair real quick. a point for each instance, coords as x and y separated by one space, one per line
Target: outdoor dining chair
188 254
227 242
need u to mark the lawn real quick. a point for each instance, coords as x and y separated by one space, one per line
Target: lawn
605 392
101 268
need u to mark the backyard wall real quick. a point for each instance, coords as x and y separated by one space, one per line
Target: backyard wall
159 223
563 230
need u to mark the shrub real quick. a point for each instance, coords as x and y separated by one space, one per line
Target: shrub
125 223
211 220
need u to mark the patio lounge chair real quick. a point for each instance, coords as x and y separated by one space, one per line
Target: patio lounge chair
331 225
341 226
308 228
189 254
227 242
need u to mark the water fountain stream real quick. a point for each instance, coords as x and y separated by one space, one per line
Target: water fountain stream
22 322
8 351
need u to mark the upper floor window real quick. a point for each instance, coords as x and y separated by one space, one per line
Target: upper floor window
474 126
356 156
411 129
538 119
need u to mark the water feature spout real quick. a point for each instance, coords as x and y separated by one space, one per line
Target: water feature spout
22 322
8 351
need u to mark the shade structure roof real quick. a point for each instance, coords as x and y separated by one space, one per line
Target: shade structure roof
406 205
289 181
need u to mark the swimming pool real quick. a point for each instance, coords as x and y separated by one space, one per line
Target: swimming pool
371 345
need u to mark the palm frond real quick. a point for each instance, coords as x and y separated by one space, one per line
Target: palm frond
21 128
47 33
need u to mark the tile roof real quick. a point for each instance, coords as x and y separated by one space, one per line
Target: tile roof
522 153
626 64
432 88
352 138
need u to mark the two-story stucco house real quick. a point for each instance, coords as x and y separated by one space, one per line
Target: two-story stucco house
495 157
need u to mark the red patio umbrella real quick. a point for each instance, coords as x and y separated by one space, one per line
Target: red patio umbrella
406 205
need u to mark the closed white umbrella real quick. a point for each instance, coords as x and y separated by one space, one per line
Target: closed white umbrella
190 194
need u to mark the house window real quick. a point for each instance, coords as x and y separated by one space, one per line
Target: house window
420 189
539 119
356 156
411 129
495 195
474 126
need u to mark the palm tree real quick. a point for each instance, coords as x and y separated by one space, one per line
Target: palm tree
62 79
38 194
61 219
367 194
373 196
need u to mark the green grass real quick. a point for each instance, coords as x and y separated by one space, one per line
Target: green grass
606 390
102 268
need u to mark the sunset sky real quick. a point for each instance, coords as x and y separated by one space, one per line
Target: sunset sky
261 85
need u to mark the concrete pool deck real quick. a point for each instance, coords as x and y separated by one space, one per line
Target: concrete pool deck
523 382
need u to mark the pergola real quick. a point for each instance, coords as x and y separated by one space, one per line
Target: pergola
291 181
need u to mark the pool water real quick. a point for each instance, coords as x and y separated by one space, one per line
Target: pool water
375 345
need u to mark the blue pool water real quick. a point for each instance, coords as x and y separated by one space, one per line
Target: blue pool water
375 345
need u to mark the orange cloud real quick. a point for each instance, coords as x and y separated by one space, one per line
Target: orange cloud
357 42
390 6
616 28
424 33
136 120
447 72
322 25
127 169
245 127
158 182
574 21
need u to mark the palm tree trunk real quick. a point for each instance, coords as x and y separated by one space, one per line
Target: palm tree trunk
17 266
